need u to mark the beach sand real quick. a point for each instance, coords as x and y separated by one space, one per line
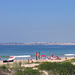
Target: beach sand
36 64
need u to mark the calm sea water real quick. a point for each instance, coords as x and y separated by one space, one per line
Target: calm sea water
14 50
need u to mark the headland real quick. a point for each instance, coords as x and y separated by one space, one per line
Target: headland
40 43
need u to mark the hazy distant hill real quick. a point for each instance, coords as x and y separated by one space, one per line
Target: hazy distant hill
39 43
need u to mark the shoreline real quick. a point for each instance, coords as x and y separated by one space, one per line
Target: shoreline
34 61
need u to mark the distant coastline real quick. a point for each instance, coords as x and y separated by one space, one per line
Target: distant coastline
39 43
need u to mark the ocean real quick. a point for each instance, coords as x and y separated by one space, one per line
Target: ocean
17 50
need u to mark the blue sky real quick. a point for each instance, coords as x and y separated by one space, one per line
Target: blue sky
37 21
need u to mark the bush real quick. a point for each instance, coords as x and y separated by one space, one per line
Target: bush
27 71
64 68
20 63
4 68
16 65
71 60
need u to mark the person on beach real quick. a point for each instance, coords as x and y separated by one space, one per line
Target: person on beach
74 55
31 59
51 57
0 57
36 55
65 57
39 55
28 60
57 58
54 57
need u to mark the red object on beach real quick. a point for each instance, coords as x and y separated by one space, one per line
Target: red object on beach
52 55
57 57
11 57
43 55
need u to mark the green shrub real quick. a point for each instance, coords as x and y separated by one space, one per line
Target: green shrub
20 63
25 62
27 71
64 68
37 62
4 68
7 65
15 65
71 60
47 65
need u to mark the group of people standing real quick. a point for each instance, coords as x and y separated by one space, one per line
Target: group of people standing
37 55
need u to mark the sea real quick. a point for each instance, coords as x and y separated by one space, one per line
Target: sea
17 50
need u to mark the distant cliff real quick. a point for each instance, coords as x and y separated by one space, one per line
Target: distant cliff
39 43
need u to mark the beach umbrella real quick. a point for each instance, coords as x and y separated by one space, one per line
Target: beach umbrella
43 55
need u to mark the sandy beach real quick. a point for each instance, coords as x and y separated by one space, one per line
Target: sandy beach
35 64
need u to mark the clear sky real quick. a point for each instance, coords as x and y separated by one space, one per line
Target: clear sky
37 21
